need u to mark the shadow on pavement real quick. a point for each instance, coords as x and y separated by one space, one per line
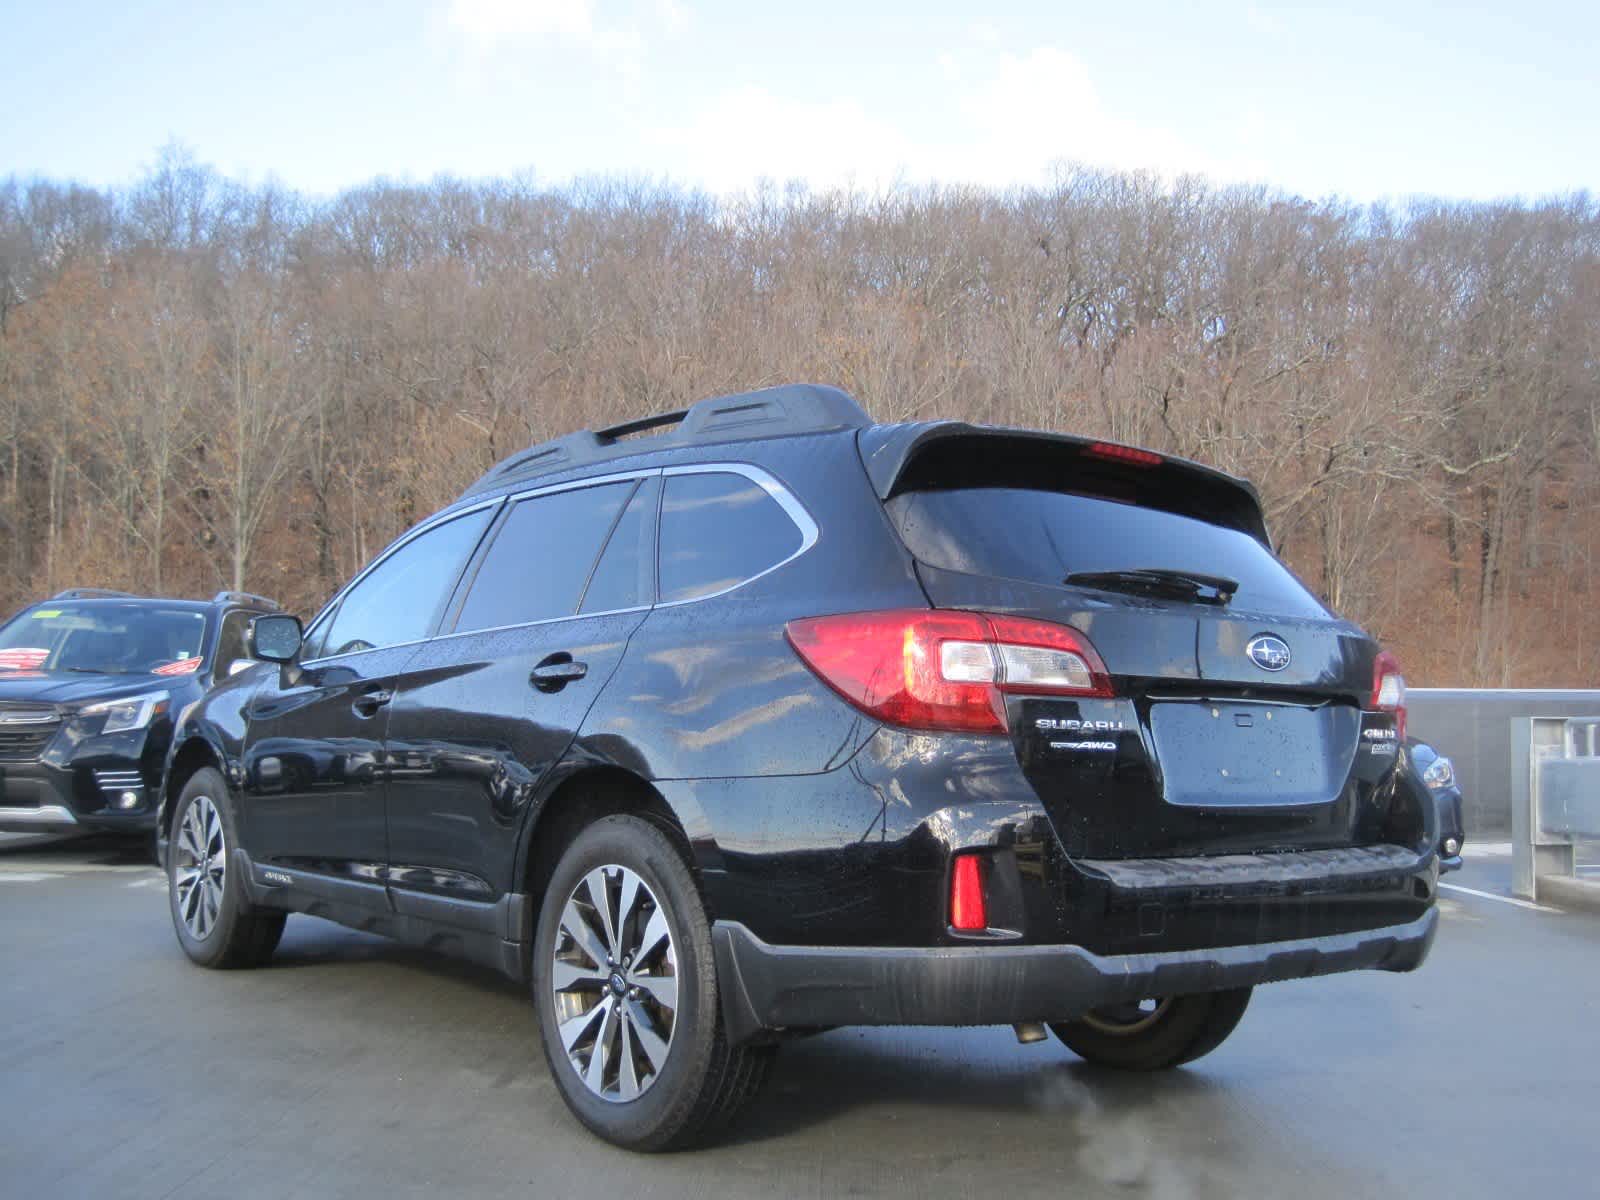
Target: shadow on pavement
90 849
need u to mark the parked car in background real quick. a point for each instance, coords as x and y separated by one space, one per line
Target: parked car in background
90 683
1440 775
759 718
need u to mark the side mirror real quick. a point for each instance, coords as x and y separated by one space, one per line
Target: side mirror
274 637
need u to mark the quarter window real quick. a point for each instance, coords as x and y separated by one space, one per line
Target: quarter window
540 560
719 529
399 599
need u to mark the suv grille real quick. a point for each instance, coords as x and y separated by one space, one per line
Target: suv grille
26 731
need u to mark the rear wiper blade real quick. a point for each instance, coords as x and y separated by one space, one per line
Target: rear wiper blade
1158 581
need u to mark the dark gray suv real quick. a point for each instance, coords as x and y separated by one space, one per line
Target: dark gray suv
757 719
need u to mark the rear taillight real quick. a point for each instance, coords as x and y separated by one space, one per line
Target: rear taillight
969 910
940 670
1389 690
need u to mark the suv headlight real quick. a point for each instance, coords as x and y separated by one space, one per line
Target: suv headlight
1440 774
130 712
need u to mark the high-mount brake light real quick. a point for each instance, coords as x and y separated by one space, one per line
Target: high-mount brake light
1389 690
950 671
969 909
1127 454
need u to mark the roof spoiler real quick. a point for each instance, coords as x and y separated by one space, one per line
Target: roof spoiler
931 454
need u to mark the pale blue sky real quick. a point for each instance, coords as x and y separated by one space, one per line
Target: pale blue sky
1366 100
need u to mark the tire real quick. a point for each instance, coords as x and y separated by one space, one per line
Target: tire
1178 1030
667 1077
214 922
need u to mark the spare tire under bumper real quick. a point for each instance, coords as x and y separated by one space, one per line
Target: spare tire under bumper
771 988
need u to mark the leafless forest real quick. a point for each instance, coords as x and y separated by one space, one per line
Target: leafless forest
204 384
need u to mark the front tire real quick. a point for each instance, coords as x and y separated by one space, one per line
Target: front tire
1156 1034
215 924
625 987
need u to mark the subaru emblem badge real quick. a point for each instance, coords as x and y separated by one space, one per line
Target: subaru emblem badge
1267 651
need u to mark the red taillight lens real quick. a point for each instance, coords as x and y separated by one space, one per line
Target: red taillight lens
968 909
940 670
1389 690
1126 454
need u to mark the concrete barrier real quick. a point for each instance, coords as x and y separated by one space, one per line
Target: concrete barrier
1472 726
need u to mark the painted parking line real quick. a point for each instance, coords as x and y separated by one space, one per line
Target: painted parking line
1520 903
82 868
25 877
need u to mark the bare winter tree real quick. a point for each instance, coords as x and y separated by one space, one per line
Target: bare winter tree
203 383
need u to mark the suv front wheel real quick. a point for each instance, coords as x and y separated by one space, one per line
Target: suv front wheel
625 986
214 922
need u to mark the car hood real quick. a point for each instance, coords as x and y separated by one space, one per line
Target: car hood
72 689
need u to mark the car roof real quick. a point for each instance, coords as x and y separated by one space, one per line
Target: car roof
224 599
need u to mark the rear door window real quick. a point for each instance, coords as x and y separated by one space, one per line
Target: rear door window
719 529
1043 536
542 557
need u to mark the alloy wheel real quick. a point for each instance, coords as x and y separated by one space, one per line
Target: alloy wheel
200 864
615 983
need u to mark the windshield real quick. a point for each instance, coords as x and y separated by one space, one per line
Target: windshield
104 638
1044 536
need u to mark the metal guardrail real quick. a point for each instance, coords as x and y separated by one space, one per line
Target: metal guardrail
1555 797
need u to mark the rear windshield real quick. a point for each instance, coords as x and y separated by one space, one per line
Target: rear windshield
1043 536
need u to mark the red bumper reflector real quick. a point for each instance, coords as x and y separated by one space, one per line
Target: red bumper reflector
968 910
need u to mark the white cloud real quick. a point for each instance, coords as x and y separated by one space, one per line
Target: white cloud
523 18
749 134
1011 120
490 26
1043 107
672 15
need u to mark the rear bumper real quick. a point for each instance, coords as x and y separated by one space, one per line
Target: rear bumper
766 987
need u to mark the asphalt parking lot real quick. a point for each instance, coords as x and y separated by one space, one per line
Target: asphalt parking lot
353 1067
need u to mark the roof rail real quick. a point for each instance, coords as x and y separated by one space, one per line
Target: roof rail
770 412
90 594
246 598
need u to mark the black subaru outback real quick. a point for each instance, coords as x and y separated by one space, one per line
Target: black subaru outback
779 720
90 681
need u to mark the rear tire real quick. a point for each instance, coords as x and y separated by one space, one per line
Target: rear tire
215 924
635 987
1178 1030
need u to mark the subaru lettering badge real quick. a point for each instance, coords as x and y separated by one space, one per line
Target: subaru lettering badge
1268 652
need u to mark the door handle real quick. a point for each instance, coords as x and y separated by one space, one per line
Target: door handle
368 703
555 672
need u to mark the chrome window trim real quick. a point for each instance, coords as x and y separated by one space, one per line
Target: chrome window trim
786 500
575 484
